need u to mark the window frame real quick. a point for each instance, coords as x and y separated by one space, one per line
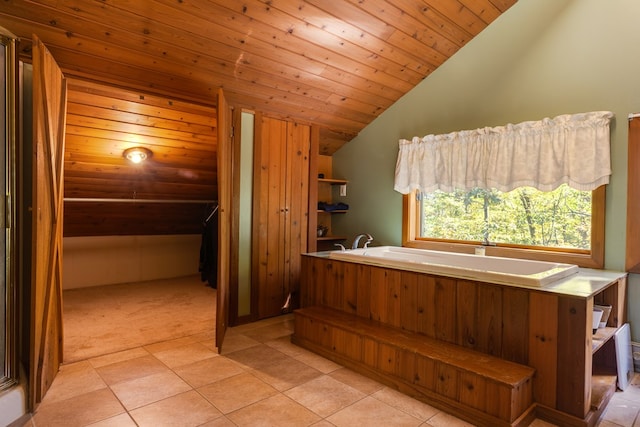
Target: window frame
593 258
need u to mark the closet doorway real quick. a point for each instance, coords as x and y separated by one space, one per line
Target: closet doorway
133 233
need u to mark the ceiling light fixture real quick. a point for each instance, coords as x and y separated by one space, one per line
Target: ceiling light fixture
137 154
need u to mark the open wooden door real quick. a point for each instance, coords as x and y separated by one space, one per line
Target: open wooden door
225 187
49 112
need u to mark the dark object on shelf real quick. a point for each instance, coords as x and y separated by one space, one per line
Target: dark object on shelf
322 230
208 265
329 207
320 176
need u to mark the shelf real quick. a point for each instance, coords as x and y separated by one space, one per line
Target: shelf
329 238
333 181
602 388
332 212
601 337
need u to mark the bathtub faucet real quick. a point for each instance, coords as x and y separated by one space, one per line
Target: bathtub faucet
360 236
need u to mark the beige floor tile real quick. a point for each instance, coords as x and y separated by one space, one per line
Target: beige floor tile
166 345
120 356
283 376
236 392
208 371
442 419
243 329
184 355
80 410
131 369
318 362
372 412
322 423
268 333
73 380
406 403
258 357
184 410
207 336
211 345
605 423
219 422
325 395
152 388
284 345
631 393
122 420
621 411
356 380
80 394
277 410
237 342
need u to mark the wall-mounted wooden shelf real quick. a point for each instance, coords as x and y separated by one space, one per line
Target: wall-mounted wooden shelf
324 191
333 181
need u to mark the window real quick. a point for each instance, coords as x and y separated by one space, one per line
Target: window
571 149
564 225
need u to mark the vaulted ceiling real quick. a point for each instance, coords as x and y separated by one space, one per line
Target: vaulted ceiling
335 63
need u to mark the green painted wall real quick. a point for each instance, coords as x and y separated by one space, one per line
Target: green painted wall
540 59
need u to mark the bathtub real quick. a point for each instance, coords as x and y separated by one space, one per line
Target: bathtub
463 266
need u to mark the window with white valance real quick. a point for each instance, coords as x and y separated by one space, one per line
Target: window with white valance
572 149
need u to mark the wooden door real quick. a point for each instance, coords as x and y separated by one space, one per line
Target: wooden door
225 186
49 112
296 207
281 194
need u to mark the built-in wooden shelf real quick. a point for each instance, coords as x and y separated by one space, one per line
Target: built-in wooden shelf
333 181
328 238
324 191
602 388
601 337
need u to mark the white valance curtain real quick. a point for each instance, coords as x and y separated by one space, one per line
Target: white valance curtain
572 149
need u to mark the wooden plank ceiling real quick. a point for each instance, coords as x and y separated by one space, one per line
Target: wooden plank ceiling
146 72
337 63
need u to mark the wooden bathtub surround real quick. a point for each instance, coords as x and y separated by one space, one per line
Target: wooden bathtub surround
492 354
492 390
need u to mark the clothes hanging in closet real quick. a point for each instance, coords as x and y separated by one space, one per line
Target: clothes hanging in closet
209 248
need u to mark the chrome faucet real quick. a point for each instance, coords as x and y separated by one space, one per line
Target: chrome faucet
356 241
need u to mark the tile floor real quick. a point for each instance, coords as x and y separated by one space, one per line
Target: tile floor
260 379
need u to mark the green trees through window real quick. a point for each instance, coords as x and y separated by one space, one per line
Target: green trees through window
524 216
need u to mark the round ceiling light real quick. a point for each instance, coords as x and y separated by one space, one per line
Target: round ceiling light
137 154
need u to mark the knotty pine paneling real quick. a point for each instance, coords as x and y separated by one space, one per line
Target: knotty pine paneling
335 64
127 219
103 121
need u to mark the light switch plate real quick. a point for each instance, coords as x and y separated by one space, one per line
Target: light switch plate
343 190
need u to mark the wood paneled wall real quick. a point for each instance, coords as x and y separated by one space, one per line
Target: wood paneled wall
102 122
550 332
281 211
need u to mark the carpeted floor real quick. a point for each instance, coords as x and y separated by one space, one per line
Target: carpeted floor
106 319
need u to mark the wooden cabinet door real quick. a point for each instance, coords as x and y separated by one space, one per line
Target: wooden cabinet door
49 111
225 186
281 197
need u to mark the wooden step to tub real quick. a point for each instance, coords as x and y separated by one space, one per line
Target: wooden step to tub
481 388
